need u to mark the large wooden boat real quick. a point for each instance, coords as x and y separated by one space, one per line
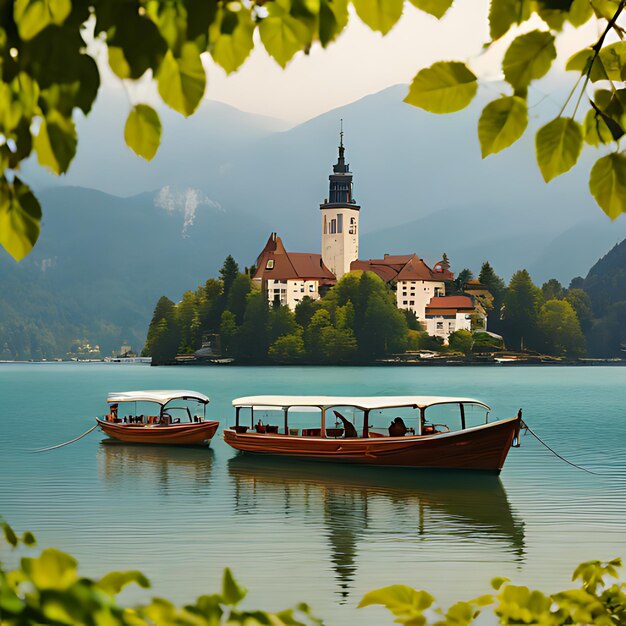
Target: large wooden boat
168 424
464 442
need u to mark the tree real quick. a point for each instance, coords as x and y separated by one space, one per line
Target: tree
229 273
253 338
445 262
281 322
228 332
305 310
561 329
553 290
463 277
520 312
581 303
287 349
497 289
163 333
461 341
237 296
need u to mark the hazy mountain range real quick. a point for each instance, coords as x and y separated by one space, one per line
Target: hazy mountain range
224 179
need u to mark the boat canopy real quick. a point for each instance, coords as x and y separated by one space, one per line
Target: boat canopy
366 403
159 396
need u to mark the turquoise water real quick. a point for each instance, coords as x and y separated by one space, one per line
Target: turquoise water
326 534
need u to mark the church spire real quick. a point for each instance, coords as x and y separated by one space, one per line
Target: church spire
341 167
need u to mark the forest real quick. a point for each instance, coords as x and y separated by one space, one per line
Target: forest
357 321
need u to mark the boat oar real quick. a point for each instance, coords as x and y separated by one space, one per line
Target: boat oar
67 443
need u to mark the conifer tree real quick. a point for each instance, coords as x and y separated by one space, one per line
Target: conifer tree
229 273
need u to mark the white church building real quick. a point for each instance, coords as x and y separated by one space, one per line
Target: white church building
288 277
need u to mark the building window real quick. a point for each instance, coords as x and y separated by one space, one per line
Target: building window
411 302
437 292
450 326
439 325
404 302
270 264
311 288
324 224
333 227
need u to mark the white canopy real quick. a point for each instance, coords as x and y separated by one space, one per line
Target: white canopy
362 402
156 395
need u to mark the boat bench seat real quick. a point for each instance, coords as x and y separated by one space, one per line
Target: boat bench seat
311 432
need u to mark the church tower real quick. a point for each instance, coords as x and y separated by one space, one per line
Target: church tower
340 219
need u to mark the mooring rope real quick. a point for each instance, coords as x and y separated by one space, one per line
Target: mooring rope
67 443
543 443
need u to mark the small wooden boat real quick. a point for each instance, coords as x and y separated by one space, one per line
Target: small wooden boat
168 425
466 441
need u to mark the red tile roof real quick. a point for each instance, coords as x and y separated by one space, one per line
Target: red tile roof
449 303
386 272
290 265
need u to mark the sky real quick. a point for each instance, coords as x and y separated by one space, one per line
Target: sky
362 62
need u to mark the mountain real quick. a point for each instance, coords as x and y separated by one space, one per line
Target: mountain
102 261
114 235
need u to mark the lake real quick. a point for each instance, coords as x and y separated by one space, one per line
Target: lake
321 533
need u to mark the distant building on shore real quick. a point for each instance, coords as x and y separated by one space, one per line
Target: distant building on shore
288 277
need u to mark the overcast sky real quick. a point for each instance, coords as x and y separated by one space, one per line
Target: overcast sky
361 62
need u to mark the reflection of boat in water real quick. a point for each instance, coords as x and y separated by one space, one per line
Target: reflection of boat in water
356 502
177 467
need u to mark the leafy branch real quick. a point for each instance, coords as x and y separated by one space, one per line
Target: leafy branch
48 74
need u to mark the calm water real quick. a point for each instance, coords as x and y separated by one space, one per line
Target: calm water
320 533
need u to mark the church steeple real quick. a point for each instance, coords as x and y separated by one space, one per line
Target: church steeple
340 218
340 187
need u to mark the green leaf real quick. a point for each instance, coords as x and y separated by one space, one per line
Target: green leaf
333 18
579 62
55 143
558 145
182 81
607 183
232 592
20 215
529 57
613 59
504 13
230 49
118 62
498 581
379 15
580 12
28 539
113 582
9 533
437 8
600 128
501 124
282 34
399 600
444 87
142 132
53 569
32 16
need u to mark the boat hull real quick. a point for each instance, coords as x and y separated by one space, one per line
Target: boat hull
482 448
194 434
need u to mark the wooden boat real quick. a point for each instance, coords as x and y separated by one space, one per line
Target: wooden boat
169 425
462 443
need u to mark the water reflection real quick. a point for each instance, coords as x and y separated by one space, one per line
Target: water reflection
359 505
171 468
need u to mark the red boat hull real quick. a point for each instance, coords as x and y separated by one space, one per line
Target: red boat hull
484 447
193 434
